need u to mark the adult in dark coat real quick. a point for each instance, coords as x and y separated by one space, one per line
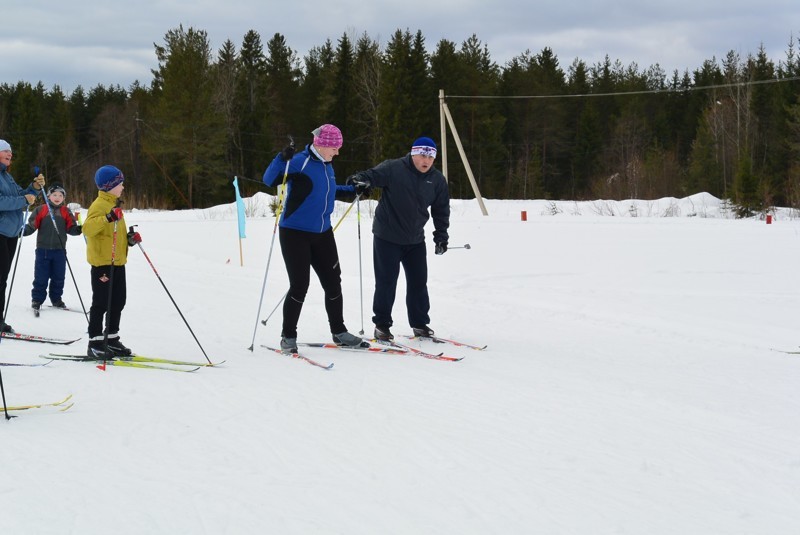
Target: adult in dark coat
13 200
410 187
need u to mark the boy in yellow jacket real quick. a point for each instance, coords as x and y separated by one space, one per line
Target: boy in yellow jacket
107 252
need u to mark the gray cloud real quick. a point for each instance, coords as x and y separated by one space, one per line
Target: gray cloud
89 43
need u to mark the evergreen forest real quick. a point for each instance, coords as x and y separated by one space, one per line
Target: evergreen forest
532 128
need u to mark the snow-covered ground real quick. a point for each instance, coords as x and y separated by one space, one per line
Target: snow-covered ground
630 384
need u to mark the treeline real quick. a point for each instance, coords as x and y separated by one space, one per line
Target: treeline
531 128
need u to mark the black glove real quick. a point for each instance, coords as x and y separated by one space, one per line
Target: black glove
363 189
288 152
114 215
361 186
134 238
441 247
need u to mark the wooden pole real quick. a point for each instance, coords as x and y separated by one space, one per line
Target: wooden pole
464 158
443 133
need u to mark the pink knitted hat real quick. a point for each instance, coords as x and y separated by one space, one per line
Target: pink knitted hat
328 136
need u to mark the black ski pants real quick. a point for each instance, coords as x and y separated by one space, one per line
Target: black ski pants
387 257
301 252
102 285
8 247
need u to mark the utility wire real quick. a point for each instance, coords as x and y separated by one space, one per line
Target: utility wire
624 93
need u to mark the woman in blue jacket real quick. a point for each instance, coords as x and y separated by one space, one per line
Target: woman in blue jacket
306 235
13 199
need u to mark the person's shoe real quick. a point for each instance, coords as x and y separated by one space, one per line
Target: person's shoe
97 349
6 328
59 304
422 332
116 347
36 305
383 333
288 345
349 340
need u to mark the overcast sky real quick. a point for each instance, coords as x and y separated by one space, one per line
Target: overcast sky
89 43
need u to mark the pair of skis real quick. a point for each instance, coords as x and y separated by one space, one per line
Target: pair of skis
365 348
61 406
786 352
388 347
26 364
439 340
434 339
136 361
411 350
40 339
301 357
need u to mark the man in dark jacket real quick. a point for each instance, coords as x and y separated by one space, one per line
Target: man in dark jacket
410 186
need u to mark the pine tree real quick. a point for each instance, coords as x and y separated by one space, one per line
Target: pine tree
251 88
190 135
314 91
281 77
226 74
342 104
405 97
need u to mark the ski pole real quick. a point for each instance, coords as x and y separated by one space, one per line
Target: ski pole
360 273
64 247
346 212
281 200
266 271
3 391
19 250
265 320
110 290
130 229
465 246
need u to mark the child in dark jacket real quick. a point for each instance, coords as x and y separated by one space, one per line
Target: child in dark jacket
51 243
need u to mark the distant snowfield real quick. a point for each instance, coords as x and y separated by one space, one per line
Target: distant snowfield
630 384
702 205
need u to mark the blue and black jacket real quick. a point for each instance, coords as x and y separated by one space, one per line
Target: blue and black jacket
12 204
310 193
